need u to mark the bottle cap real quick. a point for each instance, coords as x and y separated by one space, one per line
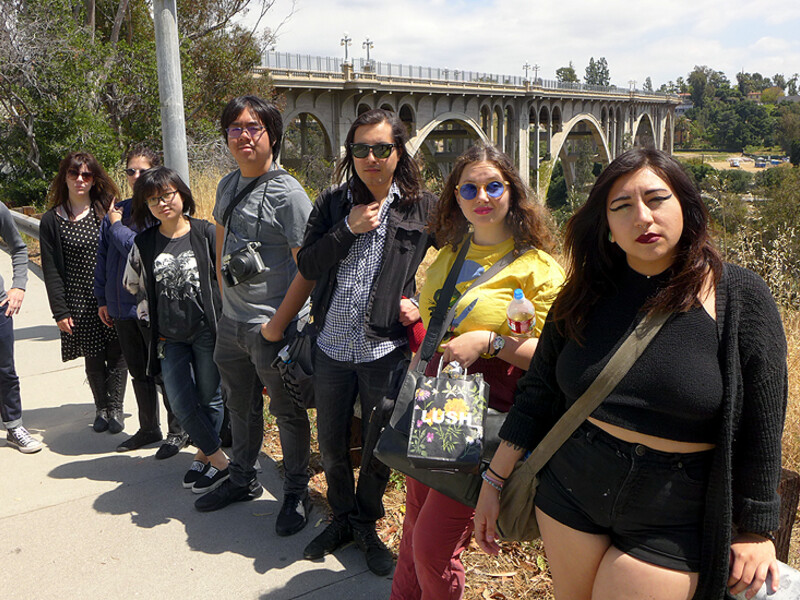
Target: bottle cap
518 295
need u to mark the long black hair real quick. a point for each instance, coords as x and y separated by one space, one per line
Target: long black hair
595 263
153 182
406 175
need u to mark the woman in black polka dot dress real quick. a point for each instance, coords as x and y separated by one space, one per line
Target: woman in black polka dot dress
79 198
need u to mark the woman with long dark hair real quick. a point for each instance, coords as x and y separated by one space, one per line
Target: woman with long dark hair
641 501
79 198
484 203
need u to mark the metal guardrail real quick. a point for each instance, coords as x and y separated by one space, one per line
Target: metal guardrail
326 66
25 224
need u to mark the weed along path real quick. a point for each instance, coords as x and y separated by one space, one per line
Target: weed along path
80 520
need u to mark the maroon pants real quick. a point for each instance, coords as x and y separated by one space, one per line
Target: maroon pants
436 530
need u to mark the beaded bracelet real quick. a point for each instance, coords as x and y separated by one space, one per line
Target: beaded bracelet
492 482
496 474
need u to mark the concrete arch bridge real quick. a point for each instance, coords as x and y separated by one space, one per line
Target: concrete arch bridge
535 122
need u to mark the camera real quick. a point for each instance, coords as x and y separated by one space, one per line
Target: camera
243 264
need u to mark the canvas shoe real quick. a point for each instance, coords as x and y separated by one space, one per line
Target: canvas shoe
139 439
174 443
195 472
19 437
210 480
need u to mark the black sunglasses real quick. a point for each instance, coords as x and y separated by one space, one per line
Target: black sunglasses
131 172
382 150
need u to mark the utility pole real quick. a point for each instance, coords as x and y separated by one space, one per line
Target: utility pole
170 87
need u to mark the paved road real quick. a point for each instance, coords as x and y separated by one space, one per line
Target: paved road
79 520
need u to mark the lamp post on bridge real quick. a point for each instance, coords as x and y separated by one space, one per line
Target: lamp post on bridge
368 45
526 66
346 41
535 68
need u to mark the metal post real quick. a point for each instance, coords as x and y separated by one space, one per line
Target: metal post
170 87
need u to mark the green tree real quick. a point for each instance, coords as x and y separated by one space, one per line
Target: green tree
648 84
794 151
791 86
771 95
779 80
597 72
567 74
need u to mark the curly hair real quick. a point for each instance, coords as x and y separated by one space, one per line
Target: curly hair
102 193
595 263
528 220
145 152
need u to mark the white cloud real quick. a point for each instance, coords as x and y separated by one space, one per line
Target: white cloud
653 38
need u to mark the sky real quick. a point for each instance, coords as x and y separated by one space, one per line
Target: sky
662 39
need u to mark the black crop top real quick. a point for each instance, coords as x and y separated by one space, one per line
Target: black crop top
673 391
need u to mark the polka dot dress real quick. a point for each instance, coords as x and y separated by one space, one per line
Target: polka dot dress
89 335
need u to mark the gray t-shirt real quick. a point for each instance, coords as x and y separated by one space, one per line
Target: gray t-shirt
275 214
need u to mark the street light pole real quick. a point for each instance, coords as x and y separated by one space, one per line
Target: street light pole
170 87
346 41
368 45
525 67
535 73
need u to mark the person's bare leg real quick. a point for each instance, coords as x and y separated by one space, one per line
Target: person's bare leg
623 577
573 556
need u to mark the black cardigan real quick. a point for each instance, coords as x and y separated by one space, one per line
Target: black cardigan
53 268
743 483
328 240
202 238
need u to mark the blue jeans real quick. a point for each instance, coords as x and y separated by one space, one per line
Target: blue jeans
10 403
336 387
192 383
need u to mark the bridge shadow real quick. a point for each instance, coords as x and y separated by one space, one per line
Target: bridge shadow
151 495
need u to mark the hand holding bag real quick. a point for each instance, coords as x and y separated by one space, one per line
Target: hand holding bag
517 518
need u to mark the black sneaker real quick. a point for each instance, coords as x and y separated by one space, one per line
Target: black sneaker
210 480
293 515
139 439
379 557
18 436
226 494
333 537
174 443
195 472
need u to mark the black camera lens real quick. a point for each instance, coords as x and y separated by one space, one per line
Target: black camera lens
239 266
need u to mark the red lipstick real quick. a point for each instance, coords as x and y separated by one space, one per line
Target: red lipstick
648 238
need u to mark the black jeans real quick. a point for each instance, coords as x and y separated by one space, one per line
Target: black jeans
134 349
336 387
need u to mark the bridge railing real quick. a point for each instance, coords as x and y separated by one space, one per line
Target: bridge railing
332 67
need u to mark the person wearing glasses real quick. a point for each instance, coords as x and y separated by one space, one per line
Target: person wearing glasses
117 309
171 270
364 242
79 198
261 213
484 196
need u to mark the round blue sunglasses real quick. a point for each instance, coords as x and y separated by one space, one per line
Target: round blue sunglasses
494 189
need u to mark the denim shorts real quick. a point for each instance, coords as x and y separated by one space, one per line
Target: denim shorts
650 503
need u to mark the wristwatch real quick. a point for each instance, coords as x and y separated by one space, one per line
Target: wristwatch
498 343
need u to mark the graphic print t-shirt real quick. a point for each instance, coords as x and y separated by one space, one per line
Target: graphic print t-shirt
180 312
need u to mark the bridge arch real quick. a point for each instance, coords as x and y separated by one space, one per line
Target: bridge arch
586 121
446 155
644 132
304 132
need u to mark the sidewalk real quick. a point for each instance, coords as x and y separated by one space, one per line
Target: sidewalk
81 520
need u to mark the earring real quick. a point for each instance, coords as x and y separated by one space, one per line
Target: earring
610 237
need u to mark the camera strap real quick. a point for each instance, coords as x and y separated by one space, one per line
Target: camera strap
272 174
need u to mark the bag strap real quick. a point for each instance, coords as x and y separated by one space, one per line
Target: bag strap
436 330
617 367
271 174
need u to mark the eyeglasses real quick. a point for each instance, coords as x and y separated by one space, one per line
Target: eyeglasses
253 130
382 150
166 198
494 189
76 174
131 172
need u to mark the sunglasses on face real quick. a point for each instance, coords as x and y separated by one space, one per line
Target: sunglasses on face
382 150
494 189
236 132
75 174
131 172
166 198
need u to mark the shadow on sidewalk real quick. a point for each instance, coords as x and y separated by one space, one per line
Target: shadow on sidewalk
150 492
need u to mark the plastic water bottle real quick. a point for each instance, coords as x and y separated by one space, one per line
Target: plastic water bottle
788 586
521 316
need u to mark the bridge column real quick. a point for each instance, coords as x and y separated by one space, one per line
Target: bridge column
533 161
523 149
